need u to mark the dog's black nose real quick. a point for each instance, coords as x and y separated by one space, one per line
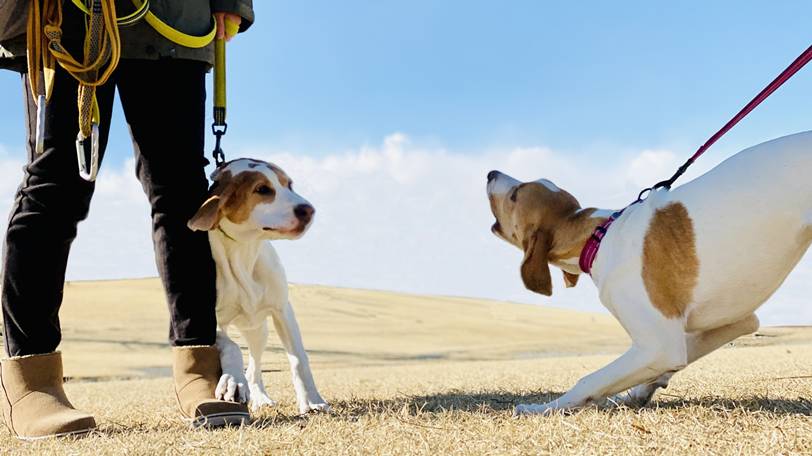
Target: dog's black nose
492 175
304 212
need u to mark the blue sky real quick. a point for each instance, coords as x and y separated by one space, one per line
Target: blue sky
389 114
585 77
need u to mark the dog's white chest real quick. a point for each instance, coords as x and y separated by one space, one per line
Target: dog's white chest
250 283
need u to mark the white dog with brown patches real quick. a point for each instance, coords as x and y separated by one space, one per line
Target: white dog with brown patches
250 203
683 271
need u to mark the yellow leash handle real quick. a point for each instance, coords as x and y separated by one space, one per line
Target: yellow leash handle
220 82
219 126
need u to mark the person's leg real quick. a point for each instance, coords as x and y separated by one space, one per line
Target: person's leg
48 206
164 103
50 202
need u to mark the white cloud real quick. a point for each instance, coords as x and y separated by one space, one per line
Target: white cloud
398 216
650 163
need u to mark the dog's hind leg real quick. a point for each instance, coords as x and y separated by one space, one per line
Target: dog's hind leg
698 345
658 347
256 339
641 395
637 365
307 395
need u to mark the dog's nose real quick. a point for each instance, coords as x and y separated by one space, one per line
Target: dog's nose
492 175
304 212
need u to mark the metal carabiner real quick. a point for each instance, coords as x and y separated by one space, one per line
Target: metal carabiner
217 153
39 144
88 160
643 194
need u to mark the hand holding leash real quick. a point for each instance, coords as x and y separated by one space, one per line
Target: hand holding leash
228 25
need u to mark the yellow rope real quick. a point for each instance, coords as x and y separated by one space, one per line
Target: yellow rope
176 36
129 19
167 31
102 50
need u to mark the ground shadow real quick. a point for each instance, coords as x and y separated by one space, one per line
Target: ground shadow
499 402
781 406
412 409
408 406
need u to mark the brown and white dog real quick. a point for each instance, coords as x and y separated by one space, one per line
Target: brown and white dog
683 271
250 203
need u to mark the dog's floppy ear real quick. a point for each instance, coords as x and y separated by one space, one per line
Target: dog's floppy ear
208 216
570 280
535 270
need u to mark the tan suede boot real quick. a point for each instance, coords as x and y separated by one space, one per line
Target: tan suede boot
197 370
34 402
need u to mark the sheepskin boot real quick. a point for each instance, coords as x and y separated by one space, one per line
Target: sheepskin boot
196 370
34 402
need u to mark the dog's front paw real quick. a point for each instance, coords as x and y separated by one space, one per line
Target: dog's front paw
317 405
232 388
533 409
260 401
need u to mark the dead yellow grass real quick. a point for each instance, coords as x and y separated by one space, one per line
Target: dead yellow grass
118 329
371 361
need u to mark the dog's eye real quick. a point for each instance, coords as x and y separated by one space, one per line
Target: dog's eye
264 190
513 194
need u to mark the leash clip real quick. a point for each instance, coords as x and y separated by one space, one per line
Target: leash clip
87 153
666 184
217 153
644 194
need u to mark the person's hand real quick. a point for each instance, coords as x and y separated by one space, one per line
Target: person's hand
228 25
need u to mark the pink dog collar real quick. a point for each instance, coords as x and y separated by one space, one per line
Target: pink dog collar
592 245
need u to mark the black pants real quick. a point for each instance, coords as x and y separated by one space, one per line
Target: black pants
163 103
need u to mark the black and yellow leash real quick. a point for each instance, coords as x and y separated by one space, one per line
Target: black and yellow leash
219 126
102 50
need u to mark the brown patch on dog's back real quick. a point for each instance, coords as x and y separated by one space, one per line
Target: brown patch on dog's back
670 264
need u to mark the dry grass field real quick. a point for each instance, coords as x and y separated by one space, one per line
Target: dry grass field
427 375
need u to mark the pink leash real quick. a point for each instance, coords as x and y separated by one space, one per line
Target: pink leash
590 250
